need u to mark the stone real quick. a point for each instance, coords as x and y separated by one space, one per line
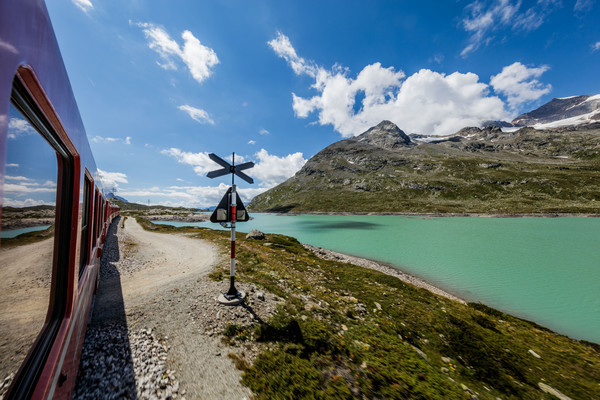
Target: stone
260 296
533 353
255 234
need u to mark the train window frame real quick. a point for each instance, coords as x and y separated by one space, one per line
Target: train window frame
25 96
86 221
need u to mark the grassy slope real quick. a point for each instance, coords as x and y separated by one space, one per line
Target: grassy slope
343 331
522 173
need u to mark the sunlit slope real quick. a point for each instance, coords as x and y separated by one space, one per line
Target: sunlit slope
475 171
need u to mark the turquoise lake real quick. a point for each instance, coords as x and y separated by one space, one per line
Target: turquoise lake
542 269
5 234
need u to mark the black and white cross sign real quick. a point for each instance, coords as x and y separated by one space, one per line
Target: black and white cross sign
230 168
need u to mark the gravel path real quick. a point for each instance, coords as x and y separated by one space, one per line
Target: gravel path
156 326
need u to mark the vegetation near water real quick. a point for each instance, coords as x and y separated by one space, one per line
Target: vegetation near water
343 331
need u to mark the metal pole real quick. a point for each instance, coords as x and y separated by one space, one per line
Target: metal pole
232 293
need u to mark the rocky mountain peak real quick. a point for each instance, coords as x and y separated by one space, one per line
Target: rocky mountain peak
566 108
385 135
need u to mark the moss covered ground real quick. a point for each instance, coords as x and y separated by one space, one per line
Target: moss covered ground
344 332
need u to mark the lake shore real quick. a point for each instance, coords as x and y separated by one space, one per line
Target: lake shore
377 266
432 215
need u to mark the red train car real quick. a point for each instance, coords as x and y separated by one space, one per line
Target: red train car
54 206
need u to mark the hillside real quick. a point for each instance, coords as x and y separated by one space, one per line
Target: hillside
474 171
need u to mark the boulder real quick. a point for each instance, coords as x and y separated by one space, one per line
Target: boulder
255 234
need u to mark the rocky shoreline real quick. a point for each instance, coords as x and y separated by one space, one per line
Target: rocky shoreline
432 215
366 263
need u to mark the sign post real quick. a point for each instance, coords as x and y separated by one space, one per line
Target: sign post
230 209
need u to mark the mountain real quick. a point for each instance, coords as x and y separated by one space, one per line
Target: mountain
564 111
114 196
476 170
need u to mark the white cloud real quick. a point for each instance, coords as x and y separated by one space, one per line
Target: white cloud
26 188
487 17
251 142
197 114
111 180
198 58
19 127
595 46
199 161
188 196
271 170
12 165
426 102
84 5
18 178
283 47
517 82
264 132
101 139
7 202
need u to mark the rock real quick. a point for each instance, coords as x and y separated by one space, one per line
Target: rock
255 234
550 390
260 296
533 353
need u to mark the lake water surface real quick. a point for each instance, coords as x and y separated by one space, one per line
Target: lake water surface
11 233
543 269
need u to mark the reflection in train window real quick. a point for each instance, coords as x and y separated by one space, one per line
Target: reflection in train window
26 246
85 225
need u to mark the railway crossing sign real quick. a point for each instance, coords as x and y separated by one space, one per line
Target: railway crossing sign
223 211
230 209
230 168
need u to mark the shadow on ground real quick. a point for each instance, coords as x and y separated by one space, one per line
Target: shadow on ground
106 368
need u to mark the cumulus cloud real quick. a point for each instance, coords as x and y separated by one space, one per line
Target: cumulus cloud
426 102
263 132
111 180
595 46
519 84
19 127
8 202
84 5
199 161
197 114
188 196
271 170
251 141
282 46
198 58
487 17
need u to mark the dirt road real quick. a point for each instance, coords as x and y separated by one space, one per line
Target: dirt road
151 281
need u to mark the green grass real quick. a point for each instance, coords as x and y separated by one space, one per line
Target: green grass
345 332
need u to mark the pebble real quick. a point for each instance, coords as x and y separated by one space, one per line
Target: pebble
117 363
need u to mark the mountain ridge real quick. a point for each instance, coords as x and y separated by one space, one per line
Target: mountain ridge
476 170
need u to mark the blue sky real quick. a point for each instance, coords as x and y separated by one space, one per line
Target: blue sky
160 84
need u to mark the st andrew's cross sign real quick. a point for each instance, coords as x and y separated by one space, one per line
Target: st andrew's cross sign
230 209
230 168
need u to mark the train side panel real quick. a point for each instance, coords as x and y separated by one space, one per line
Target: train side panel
29 53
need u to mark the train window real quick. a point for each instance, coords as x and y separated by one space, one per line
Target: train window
37 194
27 241
85 225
